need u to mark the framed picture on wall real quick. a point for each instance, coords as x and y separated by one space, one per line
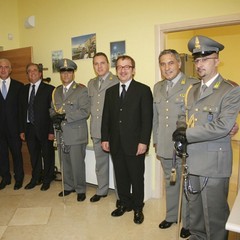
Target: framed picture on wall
116 49
84 47
56 56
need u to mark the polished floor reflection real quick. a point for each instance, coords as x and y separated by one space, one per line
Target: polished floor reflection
37 215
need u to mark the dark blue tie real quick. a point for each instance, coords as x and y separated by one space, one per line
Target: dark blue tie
30 105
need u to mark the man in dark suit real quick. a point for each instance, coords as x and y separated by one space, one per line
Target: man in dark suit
126 131
9 127
36 127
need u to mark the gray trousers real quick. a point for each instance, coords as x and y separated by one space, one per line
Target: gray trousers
209 209
74 168
172 193
102 168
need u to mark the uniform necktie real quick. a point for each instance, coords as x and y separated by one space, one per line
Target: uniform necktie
100 83
65 92
169 86
4 89
123 93
30 106
203 88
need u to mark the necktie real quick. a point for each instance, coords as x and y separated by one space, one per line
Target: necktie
123 93
203 88
169 86
4 89
100 83
65 92
30 105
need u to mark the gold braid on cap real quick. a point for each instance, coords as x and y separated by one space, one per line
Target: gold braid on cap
60 110
197 43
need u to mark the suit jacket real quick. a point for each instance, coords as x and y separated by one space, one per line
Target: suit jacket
42 104
166 109
97 100
9 109
211 117
76 106
128 123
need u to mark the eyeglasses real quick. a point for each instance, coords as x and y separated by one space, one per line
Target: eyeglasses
126 67
203 60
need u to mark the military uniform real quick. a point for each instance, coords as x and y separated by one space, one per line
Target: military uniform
166 108
73 137
210 117
97 95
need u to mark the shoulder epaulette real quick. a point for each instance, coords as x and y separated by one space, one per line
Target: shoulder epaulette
232 83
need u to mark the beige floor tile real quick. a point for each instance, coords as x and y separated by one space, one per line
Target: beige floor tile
2 230
30 216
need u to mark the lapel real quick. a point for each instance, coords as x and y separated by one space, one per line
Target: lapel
214 86
106 82
95 83
163 88
40 89
70 90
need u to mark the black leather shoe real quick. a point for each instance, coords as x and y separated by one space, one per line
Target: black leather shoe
185 233
81 197
4 183
66 192
120 211
138 217
45 186
165 224
96 198
30 185
17 185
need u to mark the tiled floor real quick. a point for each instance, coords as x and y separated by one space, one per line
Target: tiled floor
36 215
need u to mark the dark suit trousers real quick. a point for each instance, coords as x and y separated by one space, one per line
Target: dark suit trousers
129 172
14 144
40 149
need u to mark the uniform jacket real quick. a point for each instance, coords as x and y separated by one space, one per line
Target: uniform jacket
77 109
9 109
130 123
42 104
166 110
97 100
210 118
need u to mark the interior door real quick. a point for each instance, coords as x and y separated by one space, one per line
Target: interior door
19 59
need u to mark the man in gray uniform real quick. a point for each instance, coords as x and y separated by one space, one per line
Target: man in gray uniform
167 105
212 106
96 91
70 111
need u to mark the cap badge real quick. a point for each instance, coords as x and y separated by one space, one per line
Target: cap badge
65 63
197 44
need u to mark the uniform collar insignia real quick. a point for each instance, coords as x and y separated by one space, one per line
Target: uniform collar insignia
216 85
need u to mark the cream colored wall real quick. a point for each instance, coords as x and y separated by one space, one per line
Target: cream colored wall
9 24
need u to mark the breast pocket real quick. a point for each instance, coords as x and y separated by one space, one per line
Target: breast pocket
71 105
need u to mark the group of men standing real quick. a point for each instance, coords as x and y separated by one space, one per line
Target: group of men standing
123 113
